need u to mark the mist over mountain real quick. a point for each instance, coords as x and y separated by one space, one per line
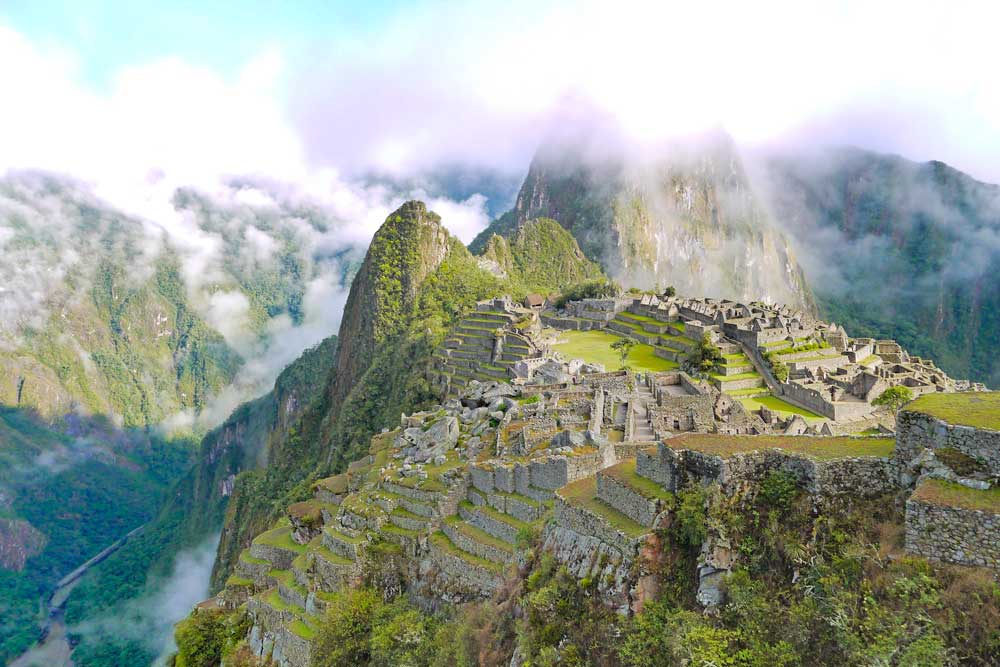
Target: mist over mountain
681 213
897 248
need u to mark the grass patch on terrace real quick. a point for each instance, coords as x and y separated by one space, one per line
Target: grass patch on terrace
441 541
813 447
780 406
980 409
300 628
236 581
647 488
280 537
739 376
330 557
595 347
646 319
952 494
494 514
250 560
477 534
583 494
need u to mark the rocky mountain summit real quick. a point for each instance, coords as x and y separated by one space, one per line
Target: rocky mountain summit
685 215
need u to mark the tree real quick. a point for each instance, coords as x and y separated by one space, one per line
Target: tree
670 291
623 346
705 358
894 397
200 638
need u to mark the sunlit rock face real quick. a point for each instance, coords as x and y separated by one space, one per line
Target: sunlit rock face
682 214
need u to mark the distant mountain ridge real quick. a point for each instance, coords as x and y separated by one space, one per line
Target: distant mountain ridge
898 248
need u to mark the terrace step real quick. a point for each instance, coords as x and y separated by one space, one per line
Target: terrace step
492 521
461 566
403 518
579 508
638 498
476 541
342 544
521 507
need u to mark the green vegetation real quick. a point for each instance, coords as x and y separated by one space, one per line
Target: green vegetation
976 409
952 494
777 405
594 347
894 397
583 493
778 367
705 358
623 347
93 489
592 289
819 448
540 255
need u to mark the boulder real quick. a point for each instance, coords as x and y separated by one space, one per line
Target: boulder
422 445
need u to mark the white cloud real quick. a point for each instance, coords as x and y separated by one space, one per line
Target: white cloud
480 83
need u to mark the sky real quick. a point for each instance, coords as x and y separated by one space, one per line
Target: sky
112 91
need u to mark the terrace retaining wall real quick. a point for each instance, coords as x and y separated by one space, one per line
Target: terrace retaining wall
953 534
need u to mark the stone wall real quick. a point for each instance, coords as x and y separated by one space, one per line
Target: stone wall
916 431
585 523
854 477
953 534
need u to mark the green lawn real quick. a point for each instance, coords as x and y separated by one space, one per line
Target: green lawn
583 494
814 447
779 406
980 409
950 494
595 347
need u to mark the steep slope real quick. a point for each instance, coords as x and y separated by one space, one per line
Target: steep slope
685 216
898 248
258 432
416 282
104 312
68 490
539 253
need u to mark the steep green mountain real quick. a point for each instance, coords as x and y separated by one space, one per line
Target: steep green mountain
898 249
67 490
110 314
112 325
538 254
684 215
415 282
240 449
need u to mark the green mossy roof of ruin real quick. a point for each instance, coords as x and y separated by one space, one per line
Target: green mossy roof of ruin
952 494
810 446
980 409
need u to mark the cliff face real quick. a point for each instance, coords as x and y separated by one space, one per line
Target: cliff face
898 249
685 217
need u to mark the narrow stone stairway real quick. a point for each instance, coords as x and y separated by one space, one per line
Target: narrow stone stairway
643 425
